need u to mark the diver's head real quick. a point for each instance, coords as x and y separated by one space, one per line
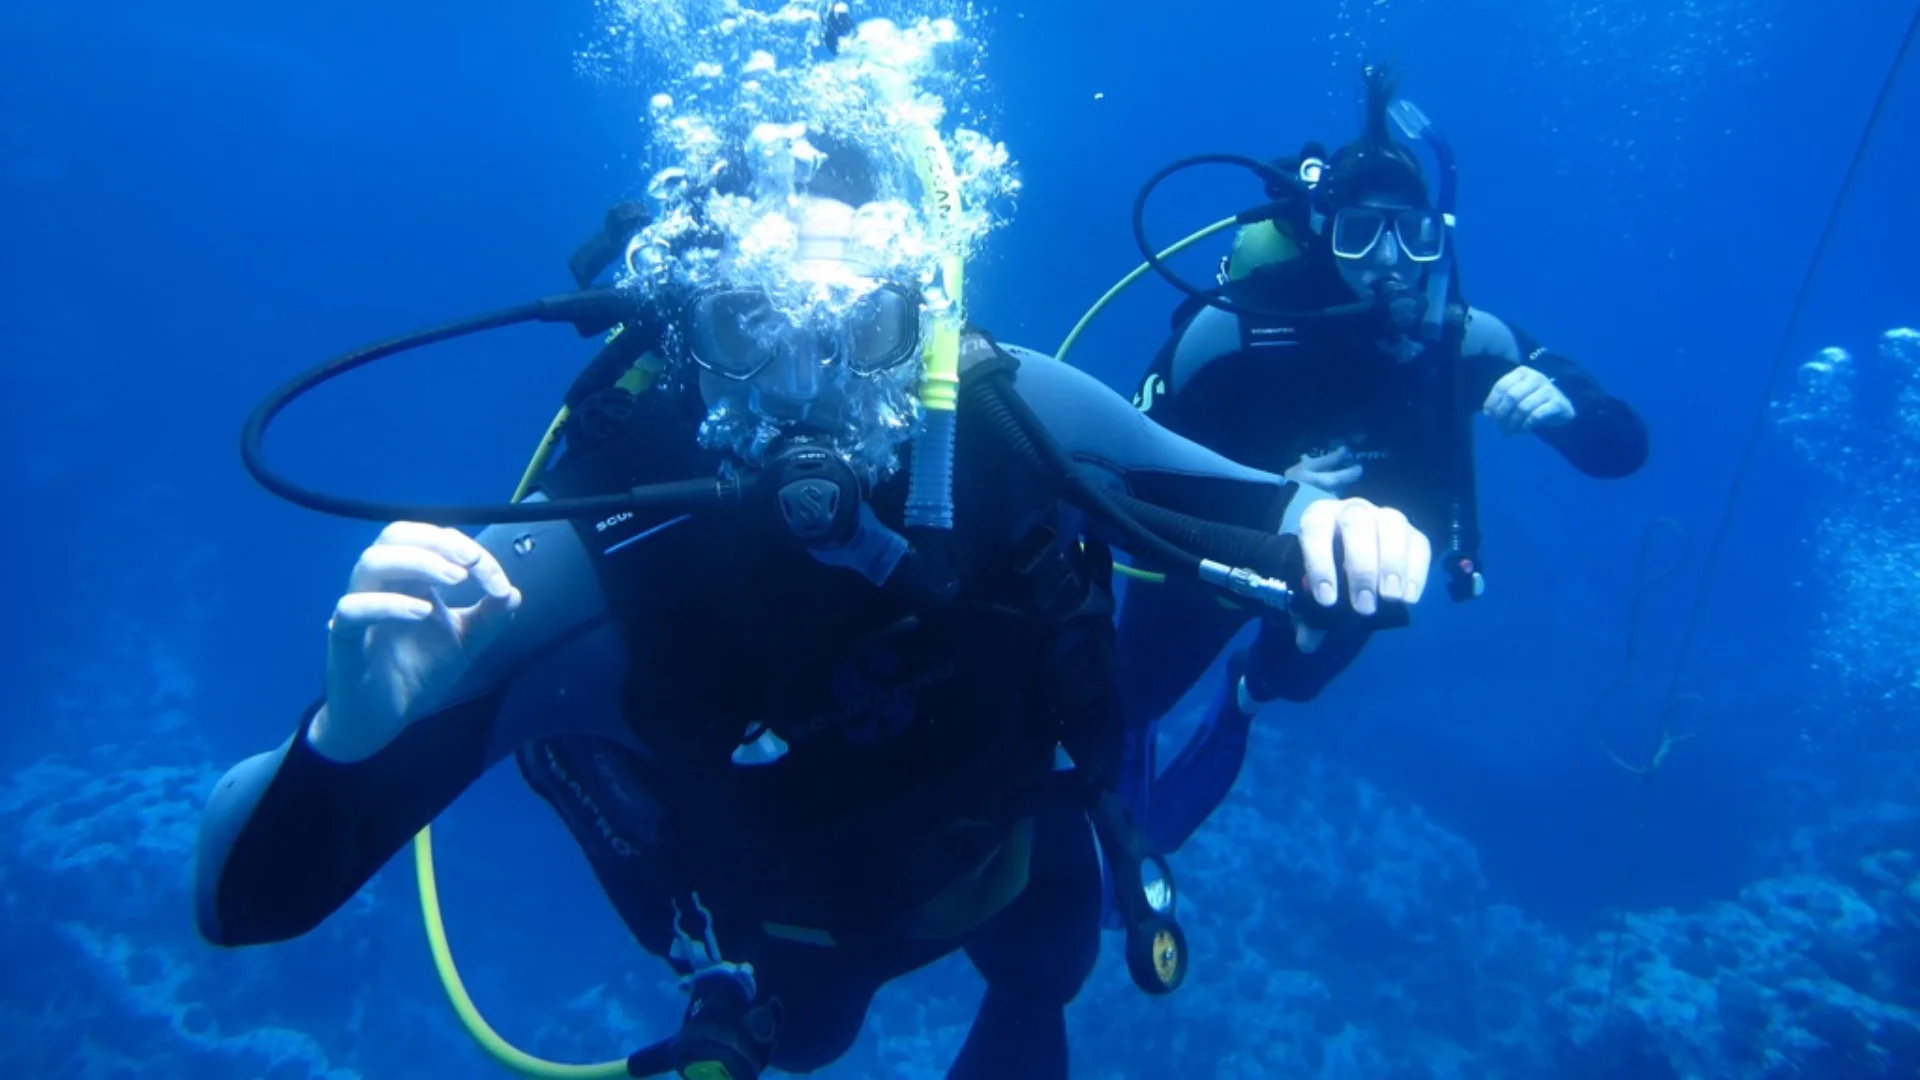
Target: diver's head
789 345
1377 223
803 322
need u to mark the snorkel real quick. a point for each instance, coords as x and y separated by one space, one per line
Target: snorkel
930 484
1461 557
1419 130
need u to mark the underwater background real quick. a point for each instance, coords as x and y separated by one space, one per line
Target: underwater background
1454 864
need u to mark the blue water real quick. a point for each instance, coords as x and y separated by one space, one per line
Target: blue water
197 201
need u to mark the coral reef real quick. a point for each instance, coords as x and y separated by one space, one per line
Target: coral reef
1338 933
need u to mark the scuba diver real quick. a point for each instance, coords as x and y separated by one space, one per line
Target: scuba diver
791 635
1337 350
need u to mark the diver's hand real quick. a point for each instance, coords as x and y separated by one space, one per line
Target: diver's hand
1525 400
1384 558
394 645
1331 472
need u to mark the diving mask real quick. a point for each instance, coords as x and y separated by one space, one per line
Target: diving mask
1358 230
735 333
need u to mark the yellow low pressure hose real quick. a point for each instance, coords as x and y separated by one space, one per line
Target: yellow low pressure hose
488 1039
483 1034
1125 282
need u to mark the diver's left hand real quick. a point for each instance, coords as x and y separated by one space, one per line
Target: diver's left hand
1526 400
1385 558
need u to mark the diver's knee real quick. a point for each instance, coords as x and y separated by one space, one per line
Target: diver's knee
1051 977
824 998
1044 947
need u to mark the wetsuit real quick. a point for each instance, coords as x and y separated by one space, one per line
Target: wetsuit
910 804
1264 392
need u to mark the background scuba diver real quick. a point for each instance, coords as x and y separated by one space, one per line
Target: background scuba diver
1351 364
797 771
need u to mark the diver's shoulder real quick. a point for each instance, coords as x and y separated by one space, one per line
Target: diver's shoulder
1027 354
980 349
1042 371
1488 334
979 346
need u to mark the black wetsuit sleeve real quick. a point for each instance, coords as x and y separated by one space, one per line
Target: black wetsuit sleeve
1607 439
1116 444
290 835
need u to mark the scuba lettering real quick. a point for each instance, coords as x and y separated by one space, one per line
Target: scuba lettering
586 803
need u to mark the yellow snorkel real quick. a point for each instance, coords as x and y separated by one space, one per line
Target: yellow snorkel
940 388
930 484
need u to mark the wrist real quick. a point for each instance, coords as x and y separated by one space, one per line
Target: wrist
337 742
1304 495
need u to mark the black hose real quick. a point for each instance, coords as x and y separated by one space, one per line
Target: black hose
1276 181
1154 534
595 308
1022 431
1272 554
